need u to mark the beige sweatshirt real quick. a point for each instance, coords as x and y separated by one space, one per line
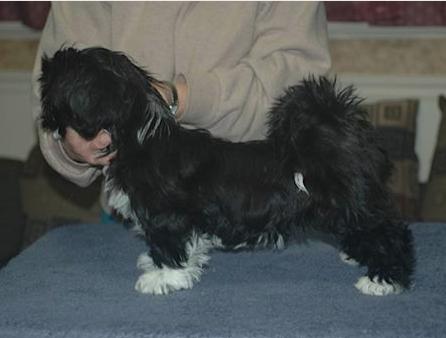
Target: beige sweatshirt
237 57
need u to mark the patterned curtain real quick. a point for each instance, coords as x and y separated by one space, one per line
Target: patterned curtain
388 13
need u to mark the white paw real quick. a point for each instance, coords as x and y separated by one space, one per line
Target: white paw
144 262
165 280
161 281
376 288
347 259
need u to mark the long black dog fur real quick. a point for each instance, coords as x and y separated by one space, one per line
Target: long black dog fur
184 186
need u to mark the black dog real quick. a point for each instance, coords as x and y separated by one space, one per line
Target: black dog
319 167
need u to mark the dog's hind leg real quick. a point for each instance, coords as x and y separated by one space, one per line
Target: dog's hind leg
173 266
387 251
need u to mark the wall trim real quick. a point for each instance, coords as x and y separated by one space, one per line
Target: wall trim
364 31
391 86
15 30
336 31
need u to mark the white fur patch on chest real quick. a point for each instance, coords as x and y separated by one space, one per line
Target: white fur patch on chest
119 201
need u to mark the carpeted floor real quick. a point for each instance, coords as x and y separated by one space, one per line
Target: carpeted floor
78 281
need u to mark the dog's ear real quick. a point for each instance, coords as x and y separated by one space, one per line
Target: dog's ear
442 102
47 118
63 58
46 71
54 82
46 64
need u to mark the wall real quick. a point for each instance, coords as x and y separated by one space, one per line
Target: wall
17 49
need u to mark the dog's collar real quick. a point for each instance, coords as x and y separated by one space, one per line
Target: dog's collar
173 106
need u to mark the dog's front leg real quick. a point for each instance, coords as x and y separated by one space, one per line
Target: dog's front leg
175 260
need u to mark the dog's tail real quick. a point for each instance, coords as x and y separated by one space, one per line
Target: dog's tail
322 137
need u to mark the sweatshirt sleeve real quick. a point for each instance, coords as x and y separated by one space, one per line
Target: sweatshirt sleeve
78 24
290 43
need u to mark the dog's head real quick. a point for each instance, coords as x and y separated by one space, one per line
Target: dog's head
96 88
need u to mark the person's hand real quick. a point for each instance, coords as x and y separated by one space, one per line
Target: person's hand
182 91
88 151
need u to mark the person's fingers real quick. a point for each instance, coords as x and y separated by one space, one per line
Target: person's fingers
102 140
105 160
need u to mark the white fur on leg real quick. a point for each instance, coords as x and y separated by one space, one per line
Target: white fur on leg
347 259
144 262
216 242
161 281
276 241
164 280
376 288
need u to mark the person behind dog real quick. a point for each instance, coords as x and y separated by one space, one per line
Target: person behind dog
227 62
